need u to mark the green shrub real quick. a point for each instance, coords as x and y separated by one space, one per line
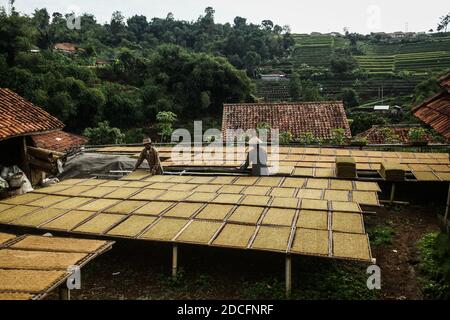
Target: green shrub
359 141
338 136
434 265
165 121
389 136
381 235
417 134
307 138
104 134
286 137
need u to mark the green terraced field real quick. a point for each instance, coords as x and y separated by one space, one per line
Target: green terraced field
413 62
315 50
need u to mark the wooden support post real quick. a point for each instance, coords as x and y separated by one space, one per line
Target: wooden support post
392 193
174 261
25 166
447 209
288 276
63 292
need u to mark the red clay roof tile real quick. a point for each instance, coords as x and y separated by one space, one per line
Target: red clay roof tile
20 117
59 141
436 113
445 81
319 118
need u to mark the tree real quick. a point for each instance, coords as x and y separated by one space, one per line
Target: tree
104 134
342 65
364 121
425 89
443 23
240 22
295 86
165 121
41 20
138 25
267 24
350 98
251 61
310 91
16 35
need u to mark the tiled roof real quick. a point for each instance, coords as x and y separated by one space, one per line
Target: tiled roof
66 46
319 118
445 81
59 141
376 135
20 117
436 113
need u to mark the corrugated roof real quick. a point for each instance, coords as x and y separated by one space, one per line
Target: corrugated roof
21 117
59 141
436 113
319 118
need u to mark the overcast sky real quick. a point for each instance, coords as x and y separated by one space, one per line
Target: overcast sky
362 16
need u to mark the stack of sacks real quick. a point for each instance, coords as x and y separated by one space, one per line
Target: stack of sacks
392 171
345 167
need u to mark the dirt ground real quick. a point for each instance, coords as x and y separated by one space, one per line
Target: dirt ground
398 260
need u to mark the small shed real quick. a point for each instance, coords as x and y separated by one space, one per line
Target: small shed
20 121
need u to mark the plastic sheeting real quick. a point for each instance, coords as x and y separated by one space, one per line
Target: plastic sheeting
86 165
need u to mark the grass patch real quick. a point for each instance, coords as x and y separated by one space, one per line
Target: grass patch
316 279
381 235
434 265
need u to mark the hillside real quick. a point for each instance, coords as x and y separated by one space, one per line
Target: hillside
394 66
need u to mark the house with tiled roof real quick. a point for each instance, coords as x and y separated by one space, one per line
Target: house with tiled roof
435 111
318 118
24 125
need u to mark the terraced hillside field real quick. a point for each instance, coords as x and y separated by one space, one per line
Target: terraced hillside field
314 50
273 91
419 62
421 56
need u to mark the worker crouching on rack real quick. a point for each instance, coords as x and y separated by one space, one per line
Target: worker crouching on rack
150 154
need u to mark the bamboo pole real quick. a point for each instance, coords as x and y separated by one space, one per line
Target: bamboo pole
174 261
63 292
41 154
288 276
447 209
43 165
392 193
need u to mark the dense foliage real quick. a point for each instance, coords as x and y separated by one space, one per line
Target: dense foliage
188 68
434 257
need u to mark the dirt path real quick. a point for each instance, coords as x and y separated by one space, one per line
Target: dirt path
398 261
